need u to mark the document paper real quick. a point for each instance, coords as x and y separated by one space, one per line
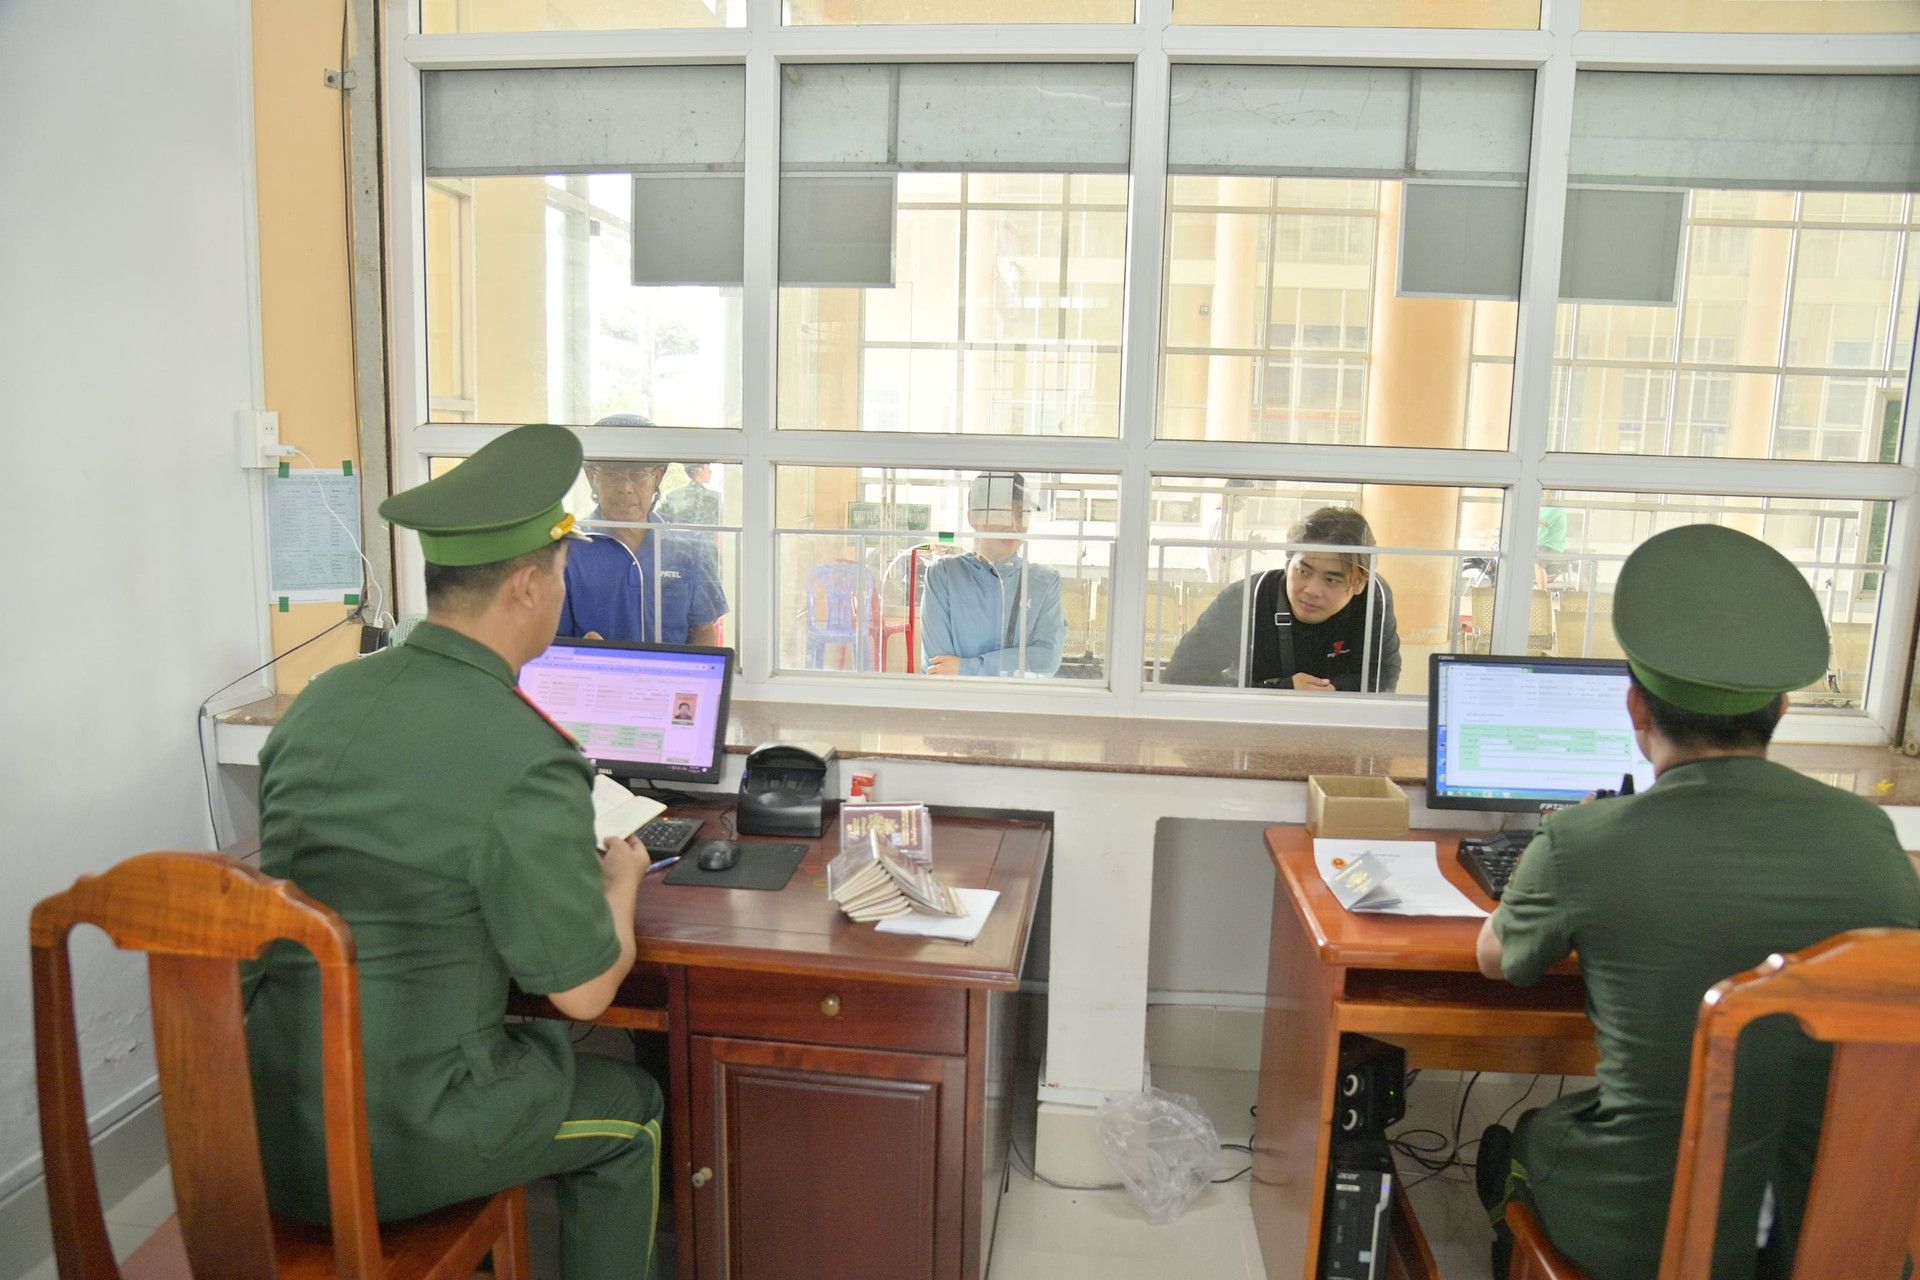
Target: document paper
1411 870
979 904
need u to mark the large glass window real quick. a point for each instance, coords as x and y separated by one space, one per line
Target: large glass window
589 265
824 13
1359 13
1840 544
1768 319
1315 586
952 251
946 573
1309 300
1788 16
448 16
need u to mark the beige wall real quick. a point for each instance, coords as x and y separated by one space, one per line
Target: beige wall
305 314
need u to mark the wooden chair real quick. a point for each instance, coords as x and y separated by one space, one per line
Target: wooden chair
198 915
1861 992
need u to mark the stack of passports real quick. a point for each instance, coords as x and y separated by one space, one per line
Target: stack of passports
871 881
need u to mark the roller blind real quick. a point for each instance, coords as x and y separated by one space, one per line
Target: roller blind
1351 122
846 130
583 120
1778 132
680 131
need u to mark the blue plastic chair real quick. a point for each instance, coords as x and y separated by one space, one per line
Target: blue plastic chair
852 614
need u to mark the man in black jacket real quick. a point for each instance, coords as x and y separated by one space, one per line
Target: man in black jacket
1308 625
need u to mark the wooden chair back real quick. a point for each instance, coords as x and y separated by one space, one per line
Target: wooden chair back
197 916
1859 991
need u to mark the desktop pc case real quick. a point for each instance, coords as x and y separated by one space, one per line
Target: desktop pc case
1354 1244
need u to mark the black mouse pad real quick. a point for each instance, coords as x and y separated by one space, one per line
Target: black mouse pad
763 864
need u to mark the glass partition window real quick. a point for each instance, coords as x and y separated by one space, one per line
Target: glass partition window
944 265
825 13
1482 14
1311 300
591 266
662 558
1747 296
946 573
1791 17
450 16
1251 583
1840 544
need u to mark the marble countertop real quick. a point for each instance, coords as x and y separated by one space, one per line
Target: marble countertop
1167 747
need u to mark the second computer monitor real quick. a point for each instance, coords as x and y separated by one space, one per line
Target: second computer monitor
653 712
1525 735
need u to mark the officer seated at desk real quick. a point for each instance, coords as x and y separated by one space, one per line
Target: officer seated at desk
417 793
1725 860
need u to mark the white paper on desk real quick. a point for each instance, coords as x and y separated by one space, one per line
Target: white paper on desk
1413 869
979 904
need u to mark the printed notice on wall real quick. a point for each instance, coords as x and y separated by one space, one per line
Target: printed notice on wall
309 517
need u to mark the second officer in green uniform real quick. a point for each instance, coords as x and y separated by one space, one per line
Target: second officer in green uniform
1725 860
421 796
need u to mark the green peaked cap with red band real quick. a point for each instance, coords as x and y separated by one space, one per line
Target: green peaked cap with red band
502 502
1717 622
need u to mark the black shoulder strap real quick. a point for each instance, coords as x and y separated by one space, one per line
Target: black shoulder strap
1282 623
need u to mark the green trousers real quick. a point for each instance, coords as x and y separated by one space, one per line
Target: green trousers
605 1162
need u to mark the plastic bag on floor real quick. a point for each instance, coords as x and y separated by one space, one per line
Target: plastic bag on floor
1165 1148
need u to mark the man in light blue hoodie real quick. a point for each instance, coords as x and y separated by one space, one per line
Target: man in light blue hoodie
991 612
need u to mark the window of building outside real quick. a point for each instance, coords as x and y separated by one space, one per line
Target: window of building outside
945 265
1223 550
558 290
946 573
662 560
1310 301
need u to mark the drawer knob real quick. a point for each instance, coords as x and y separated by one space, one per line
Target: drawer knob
830 1005
702 1177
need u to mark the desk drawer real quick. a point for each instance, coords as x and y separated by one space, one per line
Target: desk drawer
872 1015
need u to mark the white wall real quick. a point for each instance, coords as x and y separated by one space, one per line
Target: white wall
124 351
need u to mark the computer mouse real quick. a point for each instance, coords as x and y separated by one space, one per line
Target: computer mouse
718 855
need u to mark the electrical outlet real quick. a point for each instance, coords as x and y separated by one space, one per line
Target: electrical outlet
257 432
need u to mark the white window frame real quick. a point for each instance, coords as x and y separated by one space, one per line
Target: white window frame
1554 53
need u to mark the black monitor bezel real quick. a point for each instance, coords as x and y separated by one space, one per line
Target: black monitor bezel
1490 804
649 771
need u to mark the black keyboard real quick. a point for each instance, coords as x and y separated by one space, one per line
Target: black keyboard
668 837
1491 861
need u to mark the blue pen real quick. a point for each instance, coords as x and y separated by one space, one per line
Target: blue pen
663 864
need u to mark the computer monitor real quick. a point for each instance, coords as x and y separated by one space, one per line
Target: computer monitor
652 712
1525 735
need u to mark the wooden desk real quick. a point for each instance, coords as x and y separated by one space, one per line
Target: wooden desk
1410 981
840 1101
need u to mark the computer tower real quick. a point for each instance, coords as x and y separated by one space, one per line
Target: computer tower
1359 1217
1369 1091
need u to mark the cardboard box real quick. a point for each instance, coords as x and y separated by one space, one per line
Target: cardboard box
1344 808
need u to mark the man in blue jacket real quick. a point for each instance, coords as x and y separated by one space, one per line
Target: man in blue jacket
992 612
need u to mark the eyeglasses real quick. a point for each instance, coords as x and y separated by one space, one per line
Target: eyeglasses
612 476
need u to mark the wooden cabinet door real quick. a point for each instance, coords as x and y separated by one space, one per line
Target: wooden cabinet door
826 1163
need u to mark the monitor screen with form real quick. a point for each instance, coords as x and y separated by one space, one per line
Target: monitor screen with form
656 712
1524 735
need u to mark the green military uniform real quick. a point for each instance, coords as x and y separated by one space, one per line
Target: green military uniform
1721 863
418 794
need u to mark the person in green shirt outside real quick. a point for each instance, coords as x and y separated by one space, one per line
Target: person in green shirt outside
418 793
694 502
1727 859
1550 543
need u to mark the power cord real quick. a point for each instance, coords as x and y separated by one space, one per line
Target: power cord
200 719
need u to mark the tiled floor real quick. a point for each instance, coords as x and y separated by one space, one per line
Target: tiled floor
1048 1233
